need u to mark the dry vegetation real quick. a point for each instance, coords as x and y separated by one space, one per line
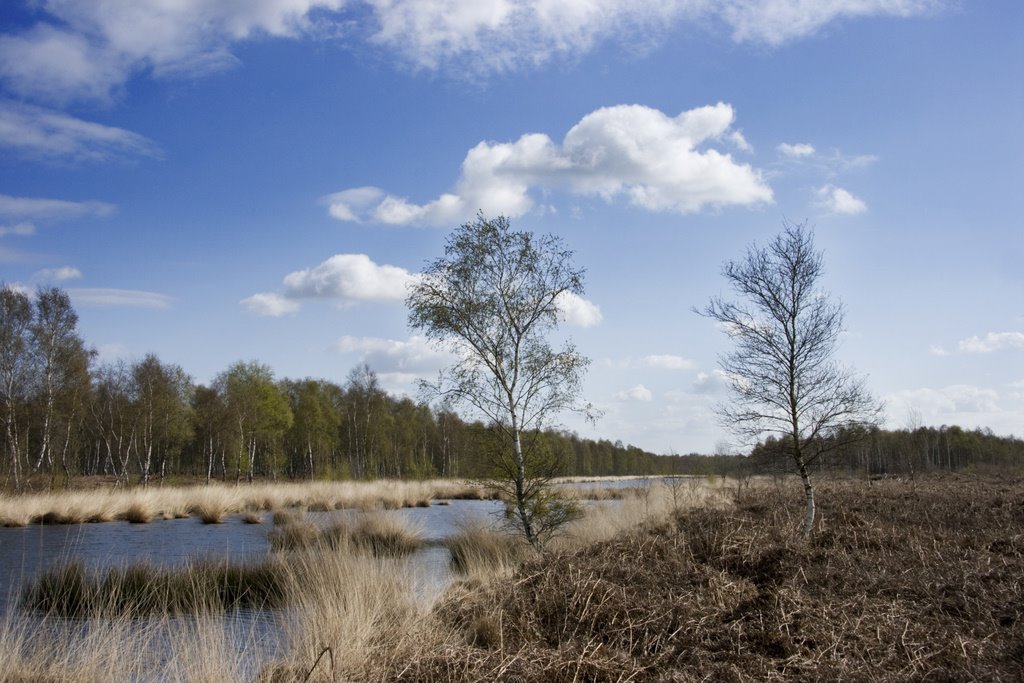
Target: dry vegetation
213 502
900 581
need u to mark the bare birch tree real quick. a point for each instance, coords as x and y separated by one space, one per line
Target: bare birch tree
492 300
782 369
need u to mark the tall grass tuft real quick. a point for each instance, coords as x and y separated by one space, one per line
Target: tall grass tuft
483 552
142 589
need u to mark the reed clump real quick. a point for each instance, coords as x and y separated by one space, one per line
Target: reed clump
142 589
479 550
379 534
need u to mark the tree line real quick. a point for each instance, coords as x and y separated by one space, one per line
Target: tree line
905 452
66 414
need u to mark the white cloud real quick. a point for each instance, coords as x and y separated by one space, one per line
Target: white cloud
346 279
800 149
45 133
94 46
61 274
350 278
657 162
837 200
270 304
637 393
991 342
39 209
505 35
89 49
130 298
402 361
667 362
578 311
777 21
937 350
22 229
714 382
947 402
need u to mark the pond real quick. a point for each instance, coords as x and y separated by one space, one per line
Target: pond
27 552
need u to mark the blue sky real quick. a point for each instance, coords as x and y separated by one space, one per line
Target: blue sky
223 181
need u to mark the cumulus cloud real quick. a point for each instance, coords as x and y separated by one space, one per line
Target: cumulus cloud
992 342
578 311
398 363
270 304
837 200
346 279
16 208
45 133
637 393
129 298
800 149
61 274
657 162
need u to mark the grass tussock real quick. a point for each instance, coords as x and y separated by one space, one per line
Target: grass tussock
379 534
482 552
900 582
142 589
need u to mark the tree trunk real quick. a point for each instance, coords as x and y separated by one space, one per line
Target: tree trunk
808 525
524 514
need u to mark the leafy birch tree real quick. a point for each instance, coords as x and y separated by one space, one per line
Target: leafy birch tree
15 361
783 373
492 300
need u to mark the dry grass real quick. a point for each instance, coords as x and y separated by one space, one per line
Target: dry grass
483 553
196 649
376 533
900 582
215 501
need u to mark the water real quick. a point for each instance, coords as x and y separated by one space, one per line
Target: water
27 552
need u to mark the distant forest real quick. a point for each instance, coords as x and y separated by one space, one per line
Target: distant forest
66 415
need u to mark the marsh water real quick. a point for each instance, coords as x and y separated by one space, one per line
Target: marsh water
27 552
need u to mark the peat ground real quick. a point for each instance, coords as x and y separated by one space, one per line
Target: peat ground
901 581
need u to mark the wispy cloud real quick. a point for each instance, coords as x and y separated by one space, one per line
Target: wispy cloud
637 393
89 49
992 342
798 150
654 161
35 208
129 298
667 362
22 229
61 274
38 132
